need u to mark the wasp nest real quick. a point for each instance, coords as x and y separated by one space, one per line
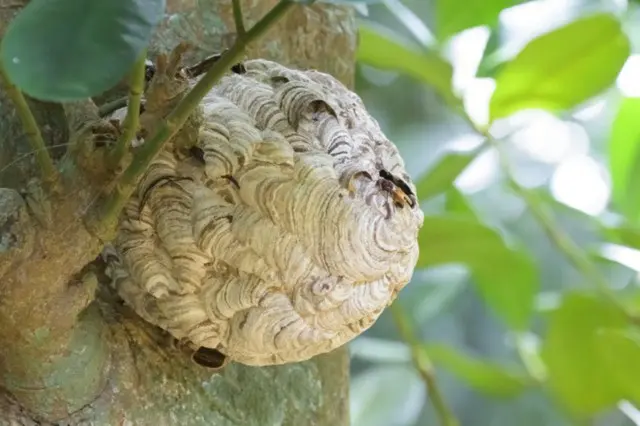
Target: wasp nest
284 234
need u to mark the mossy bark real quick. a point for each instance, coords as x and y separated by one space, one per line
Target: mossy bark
69 357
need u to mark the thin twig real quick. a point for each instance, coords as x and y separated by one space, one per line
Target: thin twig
237 18
202 66
110 107
131 121
30 126
423 364
175 120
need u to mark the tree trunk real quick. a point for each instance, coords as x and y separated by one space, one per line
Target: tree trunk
69 357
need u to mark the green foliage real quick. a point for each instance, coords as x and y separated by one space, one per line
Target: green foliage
381 48
627 235
456 203
484 376
624 157
442 176
509 289
587 361
453 16
571 353
64 50
619 351
562 68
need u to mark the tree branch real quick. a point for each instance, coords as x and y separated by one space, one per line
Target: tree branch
423 364
48 169
131 121
126 184
237 18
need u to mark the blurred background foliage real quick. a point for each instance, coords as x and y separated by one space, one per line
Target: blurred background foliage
520 123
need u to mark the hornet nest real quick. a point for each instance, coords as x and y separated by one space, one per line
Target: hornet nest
284 233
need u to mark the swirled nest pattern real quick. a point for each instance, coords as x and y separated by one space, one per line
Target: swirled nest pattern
284 234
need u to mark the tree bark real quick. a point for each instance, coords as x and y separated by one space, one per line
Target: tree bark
68 356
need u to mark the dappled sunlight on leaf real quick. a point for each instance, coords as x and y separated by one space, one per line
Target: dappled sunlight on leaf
624 158
562 68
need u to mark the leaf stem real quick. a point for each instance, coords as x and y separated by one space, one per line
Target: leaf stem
237 18
131 121
423 364
30 126
127 182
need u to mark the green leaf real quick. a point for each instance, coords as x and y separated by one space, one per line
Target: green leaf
627 235
381 48
624 158
440 177
485 377
576 374
64 50
506 278
454 16
562 68
620 351
456 203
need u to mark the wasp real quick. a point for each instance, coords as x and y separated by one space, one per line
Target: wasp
400 191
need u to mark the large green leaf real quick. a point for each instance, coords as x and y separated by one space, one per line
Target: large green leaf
63 50
381 48
443 174
505 277
620 352
456 203
576 374
562 68
624 158
454 16
484 376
